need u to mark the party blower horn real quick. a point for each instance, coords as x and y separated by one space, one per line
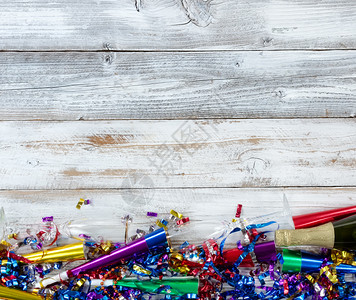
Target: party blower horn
64 253
175 286
340 234
319 218
139 246
285 219
12 294
266 251
297 261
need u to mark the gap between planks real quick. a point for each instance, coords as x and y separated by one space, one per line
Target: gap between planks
177 51
118 189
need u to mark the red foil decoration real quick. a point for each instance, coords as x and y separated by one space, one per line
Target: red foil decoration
319 218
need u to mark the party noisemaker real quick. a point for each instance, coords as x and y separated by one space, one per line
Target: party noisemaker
297 261
12 294
175 286
136 247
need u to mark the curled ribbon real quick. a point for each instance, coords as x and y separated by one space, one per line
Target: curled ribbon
176 263
80 203
342 257
176 214
141 270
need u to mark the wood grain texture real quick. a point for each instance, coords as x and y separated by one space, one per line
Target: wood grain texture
177 24
28 207
72 86
177 153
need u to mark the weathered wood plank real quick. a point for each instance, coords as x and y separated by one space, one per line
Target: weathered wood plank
177 153
72 86
177 24
28 207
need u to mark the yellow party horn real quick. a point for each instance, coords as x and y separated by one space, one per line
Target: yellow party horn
63 253
13 294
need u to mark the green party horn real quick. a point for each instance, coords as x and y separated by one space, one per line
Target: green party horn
297 261
173 286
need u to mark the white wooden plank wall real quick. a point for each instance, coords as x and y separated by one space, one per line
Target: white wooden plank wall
177 24
195 202
177 85
176 153
190 105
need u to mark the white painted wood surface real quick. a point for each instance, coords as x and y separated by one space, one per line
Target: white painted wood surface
177 24
277 84
207 204
177 153
198 203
